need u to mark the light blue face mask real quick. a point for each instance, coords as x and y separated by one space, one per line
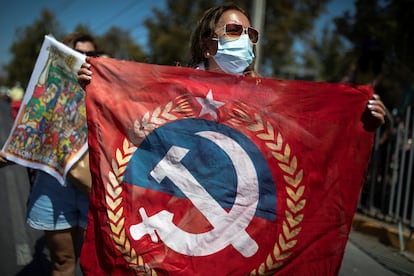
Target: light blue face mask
234 56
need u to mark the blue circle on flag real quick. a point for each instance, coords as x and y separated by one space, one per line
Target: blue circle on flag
208 163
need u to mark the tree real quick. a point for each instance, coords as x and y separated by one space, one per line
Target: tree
170 30
328 55
25 50
119 44
27 47
286 20
388 26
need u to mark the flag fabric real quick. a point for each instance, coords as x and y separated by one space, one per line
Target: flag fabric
50 131
201 173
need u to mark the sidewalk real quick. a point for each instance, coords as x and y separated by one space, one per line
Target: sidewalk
380 241
386 233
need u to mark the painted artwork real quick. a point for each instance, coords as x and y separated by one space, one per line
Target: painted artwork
50 131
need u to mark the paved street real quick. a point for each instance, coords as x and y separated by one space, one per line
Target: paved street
356 262
365 255
23 250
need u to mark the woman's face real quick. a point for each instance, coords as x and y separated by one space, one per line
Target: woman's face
84 47
230 16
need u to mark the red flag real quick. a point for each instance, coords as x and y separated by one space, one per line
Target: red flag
200 173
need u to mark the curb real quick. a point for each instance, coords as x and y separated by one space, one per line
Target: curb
386 233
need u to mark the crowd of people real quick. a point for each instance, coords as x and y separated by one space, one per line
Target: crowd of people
223 41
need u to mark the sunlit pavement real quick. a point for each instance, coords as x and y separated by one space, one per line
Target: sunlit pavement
366 255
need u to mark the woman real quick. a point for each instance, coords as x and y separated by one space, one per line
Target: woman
224 41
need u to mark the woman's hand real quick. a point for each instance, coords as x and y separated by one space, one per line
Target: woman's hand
374 116
3 161
84 74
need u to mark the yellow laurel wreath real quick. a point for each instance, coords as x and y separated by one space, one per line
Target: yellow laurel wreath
293 176
113 196
265 131
115 210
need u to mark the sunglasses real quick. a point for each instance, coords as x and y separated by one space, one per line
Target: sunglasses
234 31
90 53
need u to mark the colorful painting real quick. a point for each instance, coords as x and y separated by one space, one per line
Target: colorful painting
50 131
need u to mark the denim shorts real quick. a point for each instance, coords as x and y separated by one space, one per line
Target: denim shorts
52 206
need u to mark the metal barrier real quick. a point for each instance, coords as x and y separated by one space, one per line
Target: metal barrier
388 192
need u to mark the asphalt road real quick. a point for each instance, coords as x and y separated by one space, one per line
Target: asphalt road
366 255
357 263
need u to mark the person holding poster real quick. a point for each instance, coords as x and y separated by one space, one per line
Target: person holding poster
60 210
194 177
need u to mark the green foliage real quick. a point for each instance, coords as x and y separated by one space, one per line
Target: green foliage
25 50
328 55
119 44
169 35
170 29
286 20
27 46
390 24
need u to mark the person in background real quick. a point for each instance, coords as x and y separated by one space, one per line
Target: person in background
16 98
83 43
60 211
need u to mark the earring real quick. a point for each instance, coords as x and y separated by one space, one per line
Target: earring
207 55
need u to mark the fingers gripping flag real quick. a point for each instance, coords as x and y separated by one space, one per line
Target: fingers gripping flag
199 173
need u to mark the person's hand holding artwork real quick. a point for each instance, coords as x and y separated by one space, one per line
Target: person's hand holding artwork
3 161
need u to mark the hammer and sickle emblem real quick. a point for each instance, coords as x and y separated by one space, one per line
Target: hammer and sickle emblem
229 228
